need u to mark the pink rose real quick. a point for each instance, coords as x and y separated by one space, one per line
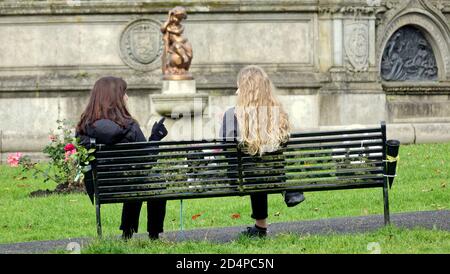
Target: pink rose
14 158
68 153
69 147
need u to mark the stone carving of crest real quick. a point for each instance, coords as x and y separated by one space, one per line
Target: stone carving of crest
140 44
357 46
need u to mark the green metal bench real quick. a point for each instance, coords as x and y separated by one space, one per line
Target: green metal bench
310 161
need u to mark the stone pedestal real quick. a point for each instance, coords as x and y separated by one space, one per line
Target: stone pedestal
178 87
180 102
179 98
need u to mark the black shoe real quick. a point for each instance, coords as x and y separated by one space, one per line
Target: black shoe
254 231
293 198
153 236
127 234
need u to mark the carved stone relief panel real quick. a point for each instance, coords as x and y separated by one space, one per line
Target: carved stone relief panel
408 56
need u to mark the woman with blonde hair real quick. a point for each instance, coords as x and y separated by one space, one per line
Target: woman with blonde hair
261 126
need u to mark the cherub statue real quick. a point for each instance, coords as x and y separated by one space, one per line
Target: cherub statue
177 54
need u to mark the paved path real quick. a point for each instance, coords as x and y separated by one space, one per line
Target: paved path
424 219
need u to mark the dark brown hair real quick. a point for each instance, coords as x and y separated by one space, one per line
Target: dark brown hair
106 102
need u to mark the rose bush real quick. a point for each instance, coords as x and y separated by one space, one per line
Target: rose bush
68 160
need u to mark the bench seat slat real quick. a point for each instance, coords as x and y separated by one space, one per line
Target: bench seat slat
340 182
144 164
290 162
299 172
157 169
134 145
153 149
294 168
160 182
148 157
349 144
335 151
335 132
368 137
149 187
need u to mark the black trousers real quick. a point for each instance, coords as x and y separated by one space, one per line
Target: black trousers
156 211
259 206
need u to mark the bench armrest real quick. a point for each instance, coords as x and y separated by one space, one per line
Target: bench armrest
392 148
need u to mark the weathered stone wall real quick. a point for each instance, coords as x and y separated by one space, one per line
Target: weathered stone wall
323 55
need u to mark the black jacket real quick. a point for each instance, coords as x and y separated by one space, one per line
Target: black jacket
108 132
230 130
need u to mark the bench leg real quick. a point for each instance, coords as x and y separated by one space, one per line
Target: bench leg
387 220
99 222
182 236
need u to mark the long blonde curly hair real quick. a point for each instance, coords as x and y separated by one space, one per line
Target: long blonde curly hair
263 123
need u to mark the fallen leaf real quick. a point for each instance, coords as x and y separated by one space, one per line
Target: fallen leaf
277 213
73 201
20 178
194 217
316 209
22 185
236 216
427 190
443 185
365 211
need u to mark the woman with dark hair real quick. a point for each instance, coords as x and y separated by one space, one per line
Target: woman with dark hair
107 119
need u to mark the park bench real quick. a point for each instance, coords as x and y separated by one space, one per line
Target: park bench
309 161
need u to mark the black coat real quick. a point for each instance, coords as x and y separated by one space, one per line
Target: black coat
230 131
108 132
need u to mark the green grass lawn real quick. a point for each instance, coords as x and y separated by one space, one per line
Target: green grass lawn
423 183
